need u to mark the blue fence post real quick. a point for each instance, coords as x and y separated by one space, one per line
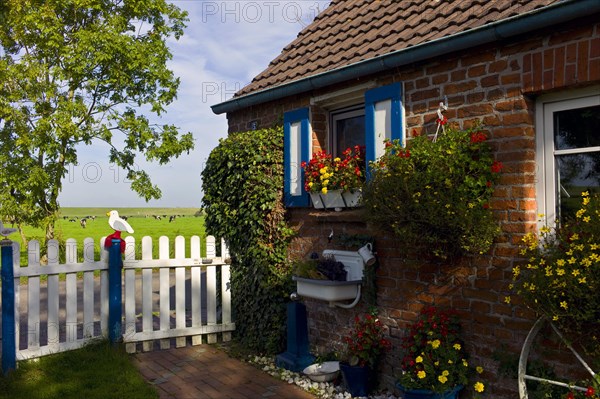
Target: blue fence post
9 350
115 265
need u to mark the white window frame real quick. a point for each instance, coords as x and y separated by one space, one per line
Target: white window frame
337 115
545 152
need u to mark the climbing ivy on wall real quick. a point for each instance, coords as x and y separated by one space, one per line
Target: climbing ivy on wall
243 192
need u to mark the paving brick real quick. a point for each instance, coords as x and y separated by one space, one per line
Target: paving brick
209 373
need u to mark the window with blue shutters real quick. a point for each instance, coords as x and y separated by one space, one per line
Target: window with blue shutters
356 117
297 142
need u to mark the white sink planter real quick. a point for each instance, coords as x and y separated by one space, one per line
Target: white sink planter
334 291
327 290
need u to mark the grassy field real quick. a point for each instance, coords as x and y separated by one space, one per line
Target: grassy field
98 371
142 220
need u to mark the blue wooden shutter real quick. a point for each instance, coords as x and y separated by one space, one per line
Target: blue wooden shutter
296 139
383 118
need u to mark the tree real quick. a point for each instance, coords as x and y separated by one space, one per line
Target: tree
74 72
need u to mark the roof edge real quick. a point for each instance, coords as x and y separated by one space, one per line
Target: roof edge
533 20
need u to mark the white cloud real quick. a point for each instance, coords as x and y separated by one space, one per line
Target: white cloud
225 45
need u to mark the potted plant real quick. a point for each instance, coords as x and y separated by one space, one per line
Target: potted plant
435 364
435 195
560 278
335 182
365 347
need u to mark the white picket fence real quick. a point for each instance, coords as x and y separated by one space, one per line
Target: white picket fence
167 298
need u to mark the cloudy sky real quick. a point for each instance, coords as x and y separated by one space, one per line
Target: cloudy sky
225 45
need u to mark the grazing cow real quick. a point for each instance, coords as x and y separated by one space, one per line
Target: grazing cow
124 217
83 222
157 217
171 218
71 220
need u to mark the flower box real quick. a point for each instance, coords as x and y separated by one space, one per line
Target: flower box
327 290
336 199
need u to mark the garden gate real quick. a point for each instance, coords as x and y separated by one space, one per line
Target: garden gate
58 307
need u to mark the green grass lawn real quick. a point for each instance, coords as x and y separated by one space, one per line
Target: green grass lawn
98 371
185 224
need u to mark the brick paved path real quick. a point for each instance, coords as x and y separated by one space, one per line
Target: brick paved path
206 372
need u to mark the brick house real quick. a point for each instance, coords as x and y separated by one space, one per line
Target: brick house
520 68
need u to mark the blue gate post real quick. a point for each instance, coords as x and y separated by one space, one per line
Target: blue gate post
9 350
115 265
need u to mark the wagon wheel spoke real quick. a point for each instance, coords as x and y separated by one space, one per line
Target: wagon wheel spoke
522 374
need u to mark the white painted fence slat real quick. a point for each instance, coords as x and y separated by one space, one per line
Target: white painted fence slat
88 290
104 290
71 292
53 295
196 295
180 290
165 304
33 305
130 293
226 299
211 300
17 285
147 293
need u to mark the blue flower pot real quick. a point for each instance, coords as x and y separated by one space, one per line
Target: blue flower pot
357 379
427 394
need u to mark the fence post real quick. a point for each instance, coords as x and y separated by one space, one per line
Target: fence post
115 265
9 350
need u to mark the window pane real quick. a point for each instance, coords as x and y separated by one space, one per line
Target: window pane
349 132
576 173
577 128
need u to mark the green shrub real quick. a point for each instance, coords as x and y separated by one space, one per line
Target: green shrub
434 195
243 202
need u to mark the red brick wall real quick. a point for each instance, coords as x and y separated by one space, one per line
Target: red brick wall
494 86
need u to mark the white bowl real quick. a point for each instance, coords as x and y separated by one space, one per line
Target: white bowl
322 372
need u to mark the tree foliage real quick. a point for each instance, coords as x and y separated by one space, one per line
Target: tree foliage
243 192
75 72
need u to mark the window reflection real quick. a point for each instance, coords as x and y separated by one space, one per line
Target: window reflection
576 173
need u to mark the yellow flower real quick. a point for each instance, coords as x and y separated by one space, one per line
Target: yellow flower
479 387
586 219
575 237
575 273
465 363
421 374
554 318
582 280
564 305
324 190
435 344
450 361
445 373
560 272
585 194
560 262
310 184
442 379
457 347
580 213
419 359
507 300
479 369
436 363
323 170
337 159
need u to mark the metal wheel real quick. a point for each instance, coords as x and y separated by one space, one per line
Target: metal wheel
523 376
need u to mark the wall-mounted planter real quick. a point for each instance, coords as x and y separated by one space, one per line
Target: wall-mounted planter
327 290
335 199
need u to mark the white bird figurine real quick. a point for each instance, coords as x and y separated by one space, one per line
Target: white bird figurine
118 224
6 231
